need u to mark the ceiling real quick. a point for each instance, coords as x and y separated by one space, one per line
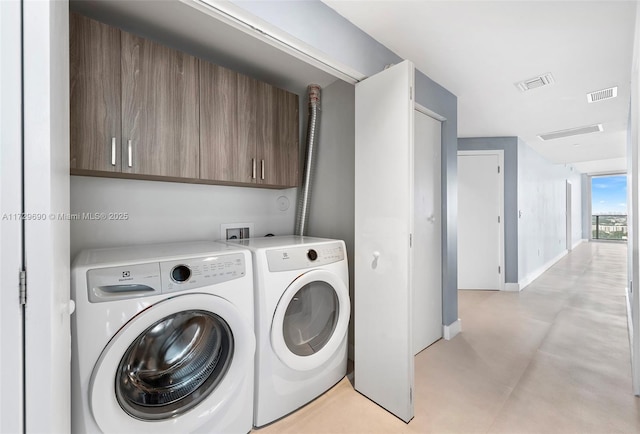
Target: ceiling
479 49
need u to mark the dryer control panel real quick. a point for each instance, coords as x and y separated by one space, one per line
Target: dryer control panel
142 280
304 257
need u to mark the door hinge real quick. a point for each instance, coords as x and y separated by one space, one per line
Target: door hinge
498 219
410 240
23 287
499 270
498 169
410 93
410 394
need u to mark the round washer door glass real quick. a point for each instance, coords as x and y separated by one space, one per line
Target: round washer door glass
310 322
310 318
173 365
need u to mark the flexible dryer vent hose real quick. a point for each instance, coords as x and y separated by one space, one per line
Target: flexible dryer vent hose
304 196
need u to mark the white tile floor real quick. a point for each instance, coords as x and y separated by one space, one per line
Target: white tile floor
553 358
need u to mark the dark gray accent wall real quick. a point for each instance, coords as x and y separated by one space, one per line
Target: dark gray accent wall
510 147
319 26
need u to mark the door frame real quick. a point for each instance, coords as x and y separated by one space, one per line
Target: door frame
569 214
501 234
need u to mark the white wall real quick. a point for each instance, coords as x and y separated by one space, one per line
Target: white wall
169 211
542 204
331 209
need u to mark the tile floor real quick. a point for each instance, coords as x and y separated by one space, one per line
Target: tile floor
553 358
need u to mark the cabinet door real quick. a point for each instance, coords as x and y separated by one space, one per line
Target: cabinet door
160 110
94 50
280 157
223 153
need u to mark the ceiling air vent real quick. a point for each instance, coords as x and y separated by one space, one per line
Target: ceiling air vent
571 132
535 82
601 95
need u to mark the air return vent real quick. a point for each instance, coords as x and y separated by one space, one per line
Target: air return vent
601 95
535 82
571 132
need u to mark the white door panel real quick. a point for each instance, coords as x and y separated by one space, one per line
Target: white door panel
11 328
427 246
383 226
479 222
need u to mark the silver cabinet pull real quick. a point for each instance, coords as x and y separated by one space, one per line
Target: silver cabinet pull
113 151
261 169
129 152
253 168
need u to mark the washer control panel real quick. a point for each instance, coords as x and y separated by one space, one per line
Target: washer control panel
198 272
142 280
301 257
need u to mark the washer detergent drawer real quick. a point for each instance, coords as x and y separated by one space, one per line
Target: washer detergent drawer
125 282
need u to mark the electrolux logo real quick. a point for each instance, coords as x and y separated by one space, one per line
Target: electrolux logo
126 275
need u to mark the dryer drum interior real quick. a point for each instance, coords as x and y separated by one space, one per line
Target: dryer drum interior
173 365
311 318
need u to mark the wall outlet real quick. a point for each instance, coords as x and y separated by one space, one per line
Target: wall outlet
235 231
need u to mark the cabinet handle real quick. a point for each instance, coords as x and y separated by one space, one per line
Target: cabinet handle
129 153
253 168
113 151
261 169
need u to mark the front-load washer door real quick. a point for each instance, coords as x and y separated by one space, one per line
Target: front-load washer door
173 367
311 319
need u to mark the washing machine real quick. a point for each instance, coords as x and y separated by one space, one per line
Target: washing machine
302 314
163 339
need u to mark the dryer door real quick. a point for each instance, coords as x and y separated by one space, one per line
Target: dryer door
174 365
311 320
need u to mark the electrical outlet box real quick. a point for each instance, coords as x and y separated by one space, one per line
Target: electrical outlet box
235 231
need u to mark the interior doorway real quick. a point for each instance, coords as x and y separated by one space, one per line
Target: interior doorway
480 220
427 233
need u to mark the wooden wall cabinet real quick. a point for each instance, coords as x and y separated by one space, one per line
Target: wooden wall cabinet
249 130
160 109
142 110
95 97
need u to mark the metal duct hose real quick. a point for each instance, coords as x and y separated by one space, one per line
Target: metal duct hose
302 218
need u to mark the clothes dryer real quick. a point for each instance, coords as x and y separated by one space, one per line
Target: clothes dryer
302 314
162 339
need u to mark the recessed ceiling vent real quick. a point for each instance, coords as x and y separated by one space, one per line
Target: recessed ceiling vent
571 132
601 95
535 82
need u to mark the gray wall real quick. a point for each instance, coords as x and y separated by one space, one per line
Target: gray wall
331 213
319 26
586 207
510 147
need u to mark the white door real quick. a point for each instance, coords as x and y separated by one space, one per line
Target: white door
11 325
383 365
46 199
427 234
479 221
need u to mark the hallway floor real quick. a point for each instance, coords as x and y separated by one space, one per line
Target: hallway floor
553 358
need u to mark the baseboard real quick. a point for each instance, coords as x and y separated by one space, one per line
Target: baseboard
514 287
538 272
451 330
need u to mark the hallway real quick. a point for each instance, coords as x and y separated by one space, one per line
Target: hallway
553 358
